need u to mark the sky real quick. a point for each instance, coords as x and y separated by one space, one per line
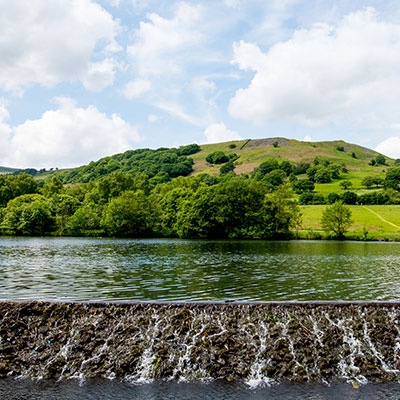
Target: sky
83 79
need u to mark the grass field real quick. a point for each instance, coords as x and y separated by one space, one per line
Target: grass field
378 221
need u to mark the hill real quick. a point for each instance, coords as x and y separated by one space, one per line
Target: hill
6 170
245 155
253 152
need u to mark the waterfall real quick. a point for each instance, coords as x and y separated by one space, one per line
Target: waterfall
248 342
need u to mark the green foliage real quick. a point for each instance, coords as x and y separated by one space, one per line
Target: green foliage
14 186
319 174
380 159
232 146
264 168
303 185
275 144
340 148
218 157
28 214
283 211
301 168
226 168
188 150
129 215
349 198
53 186
374 198
346 185
63 206
312 198
337 218
332 198
150 162
274 178
85 221
287 167
392 179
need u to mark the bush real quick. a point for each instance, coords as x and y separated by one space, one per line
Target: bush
349 198
218 157
189 149
226 168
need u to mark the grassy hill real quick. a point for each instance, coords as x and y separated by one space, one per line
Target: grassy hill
6 170
251 153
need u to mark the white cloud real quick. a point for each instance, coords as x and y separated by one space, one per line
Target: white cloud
307 138
218 132
161 43
99 75
390 147
134 89
351 70
46 43
69 136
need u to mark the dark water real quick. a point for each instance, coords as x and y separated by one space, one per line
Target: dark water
184 270
111 390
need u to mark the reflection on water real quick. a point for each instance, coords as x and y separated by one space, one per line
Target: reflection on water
112 390
185 270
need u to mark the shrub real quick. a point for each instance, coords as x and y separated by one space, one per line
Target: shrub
218 157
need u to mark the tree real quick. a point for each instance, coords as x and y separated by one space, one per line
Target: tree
337 218
28 214
130 215
283 210
53 186
346 185
218 157
380 159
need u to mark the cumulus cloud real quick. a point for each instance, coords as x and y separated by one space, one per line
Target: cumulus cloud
160 43
49 42
324 73
218 132
68 136
136 88
390 147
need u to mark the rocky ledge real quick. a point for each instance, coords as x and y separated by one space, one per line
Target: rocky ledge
248 342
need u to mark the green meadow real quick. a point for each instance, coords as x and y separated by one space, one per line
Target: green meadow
373 221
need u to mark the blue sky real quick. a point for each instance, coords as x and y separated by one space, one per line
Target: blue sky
82 79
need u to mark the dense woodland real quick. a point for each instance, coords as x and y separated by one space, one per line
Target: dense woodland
146 193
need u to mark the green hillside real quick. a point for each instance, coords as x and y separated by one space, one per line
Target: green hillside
248 154
6 170
253 152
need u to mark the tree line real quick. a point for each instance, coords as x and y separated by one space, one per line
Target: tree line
124 205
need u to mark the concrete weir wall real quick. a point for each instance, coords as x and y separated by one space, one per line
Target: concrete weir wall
250 342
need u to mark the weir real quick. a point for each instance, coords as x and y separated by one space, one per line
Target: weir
249 342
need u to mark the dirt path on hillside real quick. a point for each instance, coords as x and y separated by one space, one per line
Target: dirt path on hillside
381 218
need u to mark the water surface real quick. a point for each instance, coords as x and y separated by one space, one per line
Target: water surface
113 390
195 270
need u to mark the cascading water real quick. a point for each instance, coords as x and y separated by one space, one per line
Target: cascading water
141 342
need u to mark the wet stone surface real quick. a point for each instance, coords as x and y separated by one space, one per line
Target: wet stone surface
140 342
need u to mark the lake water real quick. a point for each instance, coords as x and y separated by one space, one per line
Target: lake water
195 270
112 390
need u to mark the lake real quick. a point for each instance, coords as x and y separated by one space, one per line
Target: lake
81 269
